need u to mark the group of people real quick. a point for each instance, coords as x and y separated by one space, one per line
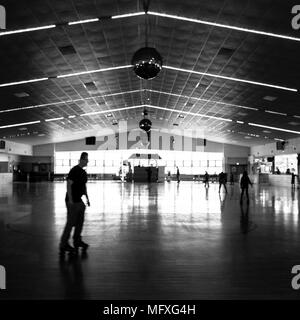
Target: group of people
244 183
76 188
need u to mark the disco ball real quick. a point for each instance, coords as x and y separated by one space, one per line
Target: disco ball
145 125
147 63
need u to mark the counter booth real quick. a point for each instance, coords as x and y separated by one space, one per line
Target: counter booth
145 168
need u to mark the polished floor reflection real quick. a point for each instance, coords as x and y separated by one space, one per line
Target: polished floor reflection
152 241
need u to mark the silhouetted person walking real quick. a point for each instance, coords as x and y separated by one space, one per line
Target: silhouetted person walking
245 181
231 179
206 179
293 180
222 181
178 175
76 188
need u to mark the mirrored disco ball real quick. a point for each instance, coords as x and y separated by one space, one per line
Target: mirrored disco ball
147 63
145 125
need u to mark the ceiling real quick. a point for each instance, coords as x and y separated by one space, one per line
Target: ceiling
188 92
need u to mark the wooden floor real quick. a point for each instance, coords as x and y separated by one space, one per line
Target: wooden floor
152 241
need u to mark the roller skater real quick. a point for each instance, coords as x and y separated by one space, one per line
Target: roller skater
76 188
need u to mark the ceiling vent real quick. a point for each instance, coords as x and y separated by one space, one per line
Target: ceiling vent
225 53
67 50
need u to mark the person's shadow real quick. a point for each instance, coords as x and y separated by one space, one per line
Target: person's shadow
244 219
72 275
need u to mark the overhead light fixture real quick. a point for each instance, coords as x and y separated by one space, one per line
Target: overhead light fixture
71 117
6 33
146 124
259 32
128 15
241 122
189 113
111 110
273 128
232 78
83 21
54 119
201 99
93 71
22 82
19 124
274 112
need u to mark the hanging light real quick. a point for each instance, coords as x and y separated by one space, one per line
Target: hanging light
145 124
147 62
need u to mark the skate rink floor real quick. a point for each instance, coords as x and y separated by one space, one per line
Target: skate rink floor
151 241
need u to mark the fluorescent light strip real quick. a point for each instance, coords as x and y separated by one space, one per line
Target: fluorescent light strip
69 101
111 110
71 117
6 33
200 99
19 124
22 82
269 34
231 78
93 71
273 128
274 112
277 139
83 21
127 15
188 113
241 122
54 119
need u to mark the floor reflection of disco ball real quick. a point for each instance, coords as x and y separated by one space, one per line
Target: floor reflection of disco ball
145 125
147 63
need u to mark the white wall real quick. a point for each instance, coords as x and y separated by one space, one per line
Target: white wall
292 146
17 148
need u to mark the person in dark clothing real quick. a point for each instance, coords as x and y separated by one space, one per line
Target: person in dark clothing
293 180
222 181
245 181
76 188
206 179
149 174
178 175
231 179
